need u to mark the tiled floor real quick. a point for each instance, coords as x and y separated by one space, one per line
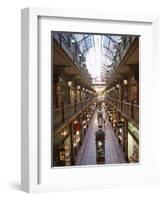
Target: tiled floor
87 153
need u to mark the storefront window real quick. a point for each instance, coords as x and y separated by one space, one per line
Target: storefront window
130 147
67 149
133 149
76 138
133 130
62 147
121 137
133 146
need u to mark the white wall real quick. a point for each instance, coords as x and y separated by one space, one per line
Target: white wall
10 96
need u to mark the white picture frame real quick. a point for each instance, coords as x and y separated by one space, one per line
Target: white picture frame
36 173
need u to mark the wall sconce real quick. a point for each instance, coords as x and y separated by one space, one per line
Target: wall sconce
64 133
72 40
117 86
84 122
69 83
83 89
125 82
78 87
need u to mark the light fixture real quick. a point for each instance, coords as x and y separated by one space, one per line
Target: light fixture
125 82
73 40
113 88
117 86
69 83
77 133
120 130
80 55
64 133
78 87
83 89
120 137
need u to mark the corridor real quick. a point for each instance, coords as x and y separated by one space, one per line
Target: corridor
87 153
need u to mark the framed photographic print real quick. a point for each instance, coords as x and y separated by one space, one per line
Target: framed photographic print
87 120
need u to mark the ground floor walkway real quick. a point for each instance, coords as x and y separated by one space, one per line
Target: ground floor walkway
87 153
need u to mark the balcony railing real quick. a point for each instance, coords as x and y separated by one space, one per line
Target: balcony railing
123 48
130 110
64 112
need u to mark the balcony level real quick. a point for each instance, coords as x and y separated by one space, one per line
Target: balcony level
129 110
66 113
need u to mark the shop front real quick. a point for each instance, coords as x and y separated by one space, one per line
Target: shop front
110 112
62 148
77 135
120 132
133 143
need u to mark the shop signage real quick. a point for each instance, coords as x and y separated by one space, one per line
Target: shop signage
77 127
120 124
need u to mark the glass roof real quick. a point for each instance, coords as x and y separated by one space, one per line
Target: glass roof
99 52
85 42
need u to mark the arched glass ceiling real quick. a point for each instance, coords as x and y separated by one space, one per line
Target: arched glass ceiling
99 52
85 42
110 45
